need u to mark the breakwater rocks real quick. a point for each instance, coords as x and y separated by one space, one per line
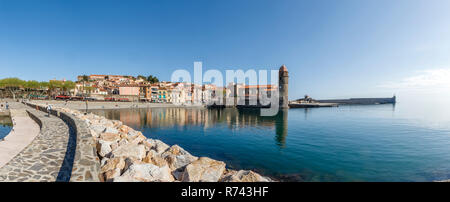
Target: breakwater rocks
126 155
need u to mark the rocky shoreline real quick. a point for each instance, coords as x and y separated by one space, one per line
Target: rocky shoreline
126 155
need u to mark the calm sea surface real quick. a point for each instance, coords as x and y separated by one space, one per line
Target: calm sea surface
5 126
402 142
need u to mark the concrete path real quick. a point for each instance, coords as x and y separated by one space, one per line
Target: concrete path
24 131
45 158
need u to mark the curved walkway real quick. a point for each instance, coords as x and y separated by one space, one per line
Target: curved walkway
22 134
45 159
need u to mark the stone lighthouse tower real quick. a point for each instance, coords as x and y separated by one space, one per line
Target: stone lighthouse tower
283 83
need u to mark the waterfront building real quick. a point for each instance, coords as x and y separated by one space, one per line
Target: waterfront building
129 90
154 92
196 94
163 95
178 93
99 91
208 93
145 93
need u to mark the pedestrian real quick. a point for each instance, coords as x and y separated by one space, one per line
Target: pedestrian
7 105
49 108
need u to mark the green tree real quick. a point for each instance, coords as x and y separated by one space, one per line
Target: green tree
67 86
152 79
13 85
54 86
89 89
85 78
31 86
43 85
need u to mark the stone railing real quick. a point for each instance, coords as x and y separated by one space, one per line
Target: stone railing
86 164
35 118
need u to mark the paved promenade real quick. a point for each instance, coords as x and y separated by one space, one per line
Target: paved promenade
47 158
24 131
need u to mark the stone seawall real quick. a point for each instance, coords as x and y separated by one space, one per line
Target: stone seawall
126 155
86 164
361 101
35 119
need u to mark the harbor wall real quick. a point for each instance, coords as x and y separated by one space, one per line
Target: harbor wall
363 101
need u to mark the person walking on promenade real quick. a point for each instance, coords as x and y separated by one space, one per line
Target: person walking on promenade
7 106
49 108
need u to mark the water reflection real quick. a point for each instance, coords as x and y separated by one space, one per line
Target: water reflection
281 127
160 118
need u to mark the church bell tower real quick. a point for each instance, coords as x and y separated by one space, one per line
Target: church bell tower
283 78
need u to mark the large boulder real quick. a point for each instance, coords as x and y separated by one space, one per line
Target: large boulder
113 164
111 174
103 147
158 145
94 134
117 123
130 150
111 129
177 157
145 173
122 142
124 128
137 138
133 133
243 176
110 137
203 170
155 159
97 128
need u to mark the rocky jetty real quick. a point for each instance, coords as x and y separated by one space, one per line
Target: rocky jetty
126 155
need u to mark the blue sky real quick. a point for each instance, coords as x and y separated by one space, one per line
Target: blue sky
333 49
